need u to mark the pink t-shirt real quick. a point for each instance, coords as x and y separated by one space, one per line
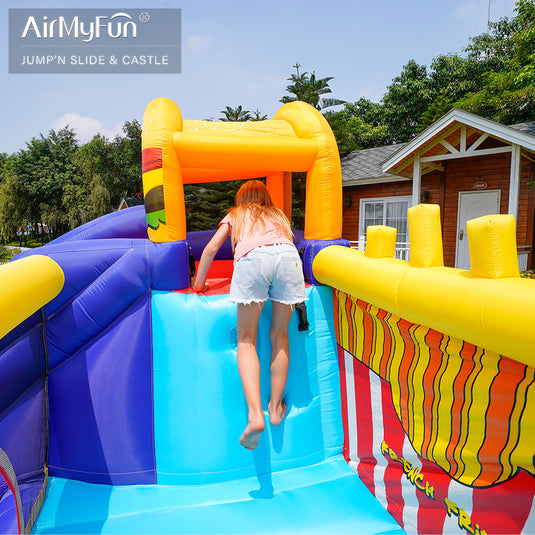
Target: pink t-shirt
247 241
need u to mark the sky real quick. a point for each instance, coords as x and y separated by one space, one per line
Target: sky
241 53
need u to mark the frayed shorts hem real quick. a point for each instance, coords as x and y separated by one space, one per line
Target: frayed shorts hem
250 301
247 301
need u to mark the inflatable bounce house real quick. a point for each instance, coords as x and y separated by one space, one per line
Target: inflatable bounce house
411 398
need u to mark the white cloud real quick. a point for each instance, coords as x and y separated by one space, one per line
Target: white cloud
85 127
198 42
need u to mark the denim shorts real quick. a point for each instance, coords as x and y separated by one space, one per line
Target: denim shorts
269 272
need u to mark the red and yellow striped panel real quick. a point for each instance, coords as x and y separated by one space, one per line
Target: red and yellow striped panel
468 410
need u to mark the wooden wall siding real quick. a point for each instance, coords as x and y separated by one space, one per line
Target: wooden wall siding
531 214
430 182
350 228
495 171
444 187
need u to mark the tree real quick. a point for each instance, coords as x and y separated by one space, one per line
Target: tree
43 169
491 50
62 185
310 89
435 111
406 100
99 197
237 114
508 94
3 159
345 138
257 116
13 203
360 125
124 174
206 204
353 133
87 197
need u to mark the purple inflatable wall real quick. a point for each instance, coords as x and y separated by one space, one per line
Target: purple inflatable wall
76 377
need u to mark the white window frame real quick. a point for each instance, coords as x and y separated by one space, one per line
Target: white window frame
402 248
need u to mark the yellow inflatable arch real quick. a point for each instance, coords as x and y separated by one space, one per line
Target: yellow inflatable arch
178 152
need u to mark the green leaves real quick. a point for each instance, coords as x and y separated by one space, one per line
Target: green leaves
310 89
507 91
207 204
56 182
235 114
495 78
238 114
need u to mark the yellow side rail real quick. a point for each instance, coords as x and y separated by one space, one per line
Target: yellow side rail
489 306
26 285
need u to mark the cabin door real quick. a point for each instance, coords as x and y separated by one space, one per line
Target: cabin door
472 204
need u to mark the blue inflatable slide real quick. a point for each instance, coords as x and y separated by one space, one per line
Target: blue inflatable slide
121 405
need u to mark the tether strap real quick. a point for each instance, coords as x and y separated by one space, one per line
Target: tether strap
302 312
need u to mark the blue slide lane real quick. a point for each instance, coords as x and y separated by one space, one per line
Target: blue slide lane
296 481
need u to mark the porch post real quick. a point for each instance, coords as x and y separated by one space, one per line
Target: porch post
514 182
416 179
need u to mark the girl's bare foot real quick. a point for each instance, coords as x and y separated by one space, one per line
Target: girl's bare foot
251 435
277 414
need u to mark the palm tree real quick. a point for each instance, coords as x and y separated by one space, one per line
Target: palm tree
235 114
258 116
309 89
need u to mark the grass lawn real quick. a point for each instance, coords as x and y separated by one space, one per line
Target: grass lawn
31 241
7 254
11 249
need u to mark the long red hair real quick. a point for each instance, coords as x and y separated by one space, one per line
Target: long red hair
253 197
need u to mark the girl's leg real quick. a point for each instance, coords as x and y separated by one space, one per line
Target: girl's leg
280 359
249 368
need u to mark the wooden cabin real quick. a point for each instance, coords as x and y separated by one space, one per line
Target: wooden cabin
468 165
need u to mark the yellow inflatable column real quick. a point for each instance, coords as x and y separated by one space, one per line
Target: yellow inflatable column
508 313
492 243
26 285
420 287
380 241
162 176
425 236
323 210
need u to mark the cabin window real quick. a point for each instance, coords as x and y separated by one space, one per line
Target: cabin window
390 211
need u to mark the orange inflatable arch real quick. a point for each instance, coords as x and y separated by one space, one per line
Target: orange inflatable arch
178 152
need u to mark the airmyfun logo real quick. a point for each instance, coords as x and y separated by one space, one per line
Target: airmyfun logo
115 27
94 41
